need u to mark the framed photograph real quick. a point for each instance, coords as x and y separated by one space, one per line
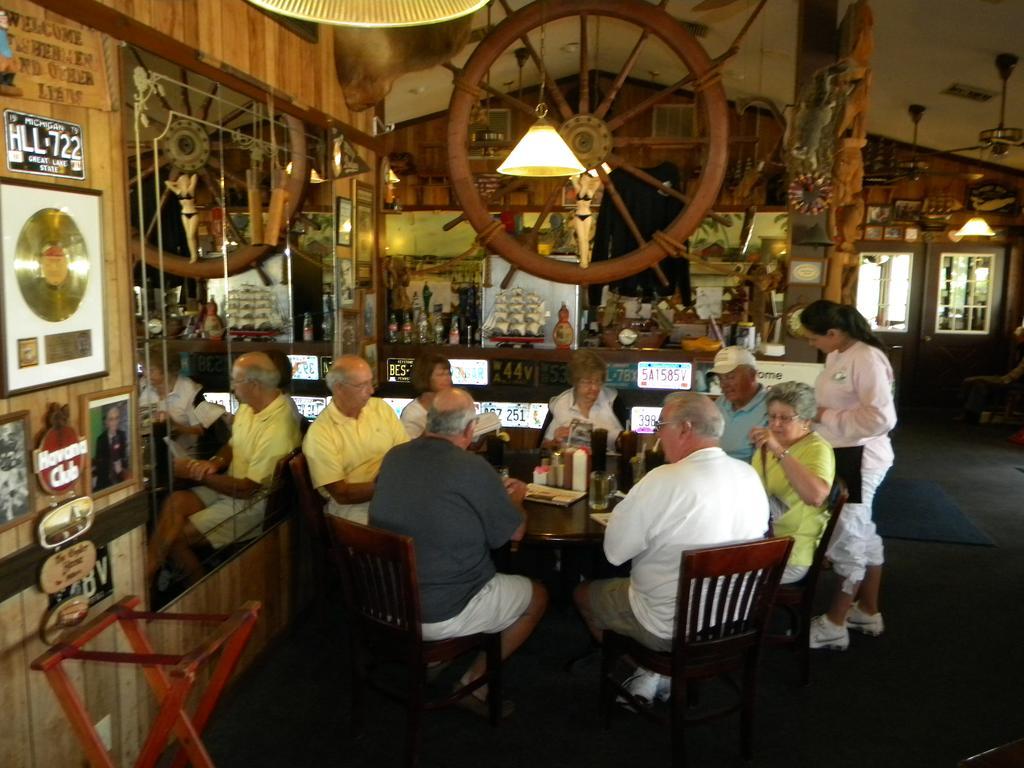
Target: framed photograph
107 422
911 234
992 198
370 355
906 210
15 470
52 326
878 214
369 315
345 280
893 233
343 221
364 235
873 232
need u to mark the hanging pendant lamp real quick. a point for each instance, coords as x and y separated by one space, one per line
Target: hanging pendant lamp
542 152
372 13
976 226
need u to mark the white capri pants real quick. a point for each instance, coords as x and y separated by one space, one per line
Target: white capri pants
856 543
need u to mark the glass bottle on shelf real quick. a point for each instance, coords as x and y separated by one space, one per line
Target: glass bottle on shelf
438 325
406 327
453 333
213 328
307 326
423 330
393 329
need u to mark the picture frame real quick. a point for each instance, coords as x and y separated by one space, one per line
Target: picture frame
364 235
343 221
878 214
108 422
873 232
17 503
806 270
911 234
345 280
906 210
893 233
369 315
52 325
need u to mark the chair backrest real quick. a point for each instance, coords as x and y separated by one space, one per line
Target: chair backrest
379 583
725 594
311 504
836 501
281 491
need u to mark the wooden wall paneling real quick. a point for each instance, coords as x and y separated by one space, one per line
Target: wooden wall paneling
53 742
15 736
135 708
258 35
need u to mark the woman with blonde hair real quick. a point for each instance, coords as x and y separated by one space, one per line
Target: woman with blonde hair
589 400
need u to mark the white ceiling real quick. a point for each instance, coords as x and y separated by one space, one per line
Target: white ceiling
921 47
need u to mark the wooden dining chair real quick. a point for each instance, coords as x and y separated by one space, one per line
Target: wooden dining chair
382 598
311 508
796 601
723 602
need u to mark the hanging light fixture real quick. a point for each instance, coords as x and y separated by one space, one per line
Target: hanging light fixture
976 226
542 152
372 13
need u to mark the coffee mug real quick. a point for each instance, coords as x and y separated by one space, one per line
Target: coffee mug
602 486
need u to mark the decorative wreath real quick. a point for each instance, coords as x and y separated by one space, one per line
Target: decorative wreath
810 193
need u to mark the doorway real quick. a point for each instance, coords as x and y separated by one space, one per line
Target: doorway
938 307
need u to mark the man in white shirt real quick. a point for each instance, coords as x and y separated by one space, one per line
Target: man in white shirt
701 497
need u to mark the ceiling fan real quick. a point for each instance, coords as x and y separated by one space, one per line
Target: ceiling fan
1000 139
893 171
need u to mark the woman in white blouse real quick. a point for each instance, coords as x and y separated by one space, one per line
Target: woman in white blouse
431 373
589 400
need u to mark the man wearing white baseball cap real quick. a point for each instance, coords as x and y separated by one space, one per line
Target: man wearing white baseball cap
742 402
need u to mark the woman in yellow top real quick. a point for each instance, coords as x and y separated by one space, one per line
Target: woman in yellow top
797 468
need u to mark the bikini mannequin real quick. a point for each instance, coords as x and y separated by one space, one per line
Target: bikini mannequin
586 186
184 188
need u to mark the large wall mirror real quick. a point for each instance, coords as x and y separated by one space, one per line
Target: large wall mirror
233 238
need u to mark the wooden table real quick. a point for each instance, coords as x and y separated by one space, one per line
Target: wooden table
550 523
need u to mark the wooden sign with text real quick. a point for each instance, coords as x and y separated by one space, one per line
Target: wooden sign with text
56 60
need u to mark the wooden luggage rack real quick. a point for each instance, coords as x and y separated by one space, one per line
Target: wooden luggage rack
170 676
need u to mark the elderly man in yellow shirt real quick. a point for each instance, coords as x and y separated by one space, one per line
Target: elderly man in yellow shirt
228 506
344 447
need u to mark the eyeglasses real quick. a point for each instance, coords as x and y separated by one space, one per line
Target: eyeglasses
661 423
781 419
360 385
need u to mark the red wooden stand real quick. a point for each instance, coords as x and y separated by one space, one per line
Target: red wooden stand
171 687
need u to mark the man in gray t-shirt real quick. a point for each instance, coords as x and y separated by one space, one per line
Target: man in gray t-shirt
457 509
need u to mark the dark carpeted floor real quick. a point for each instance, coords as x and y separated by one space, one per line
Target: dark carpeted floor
945 681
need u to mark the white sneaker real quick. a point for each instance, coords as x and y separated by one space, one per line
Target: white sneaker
664 691
825 634
868 623
642 685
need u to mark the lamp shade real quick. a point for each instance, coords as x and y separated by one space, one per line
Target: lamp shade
372 13
541 152
815 235
975 227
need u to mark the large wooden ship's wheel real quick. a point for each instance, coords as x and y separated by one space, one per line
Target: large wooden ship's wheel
595 134
202 134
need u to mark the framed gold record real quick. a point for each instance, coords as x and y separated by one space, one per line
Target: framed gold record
51 264
52 324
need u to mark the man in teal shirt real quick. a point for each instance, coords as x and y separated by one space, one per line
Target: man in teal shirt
742 402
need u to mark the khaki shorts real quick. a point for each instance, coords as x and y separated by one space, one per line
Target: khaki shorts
610 609
496 607
226 520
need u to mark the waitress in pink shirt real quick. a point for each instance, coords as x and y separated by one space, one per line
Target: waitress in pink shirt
855 414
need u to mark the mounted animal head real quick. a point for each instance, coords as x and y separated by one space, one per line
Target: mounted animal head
368 61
